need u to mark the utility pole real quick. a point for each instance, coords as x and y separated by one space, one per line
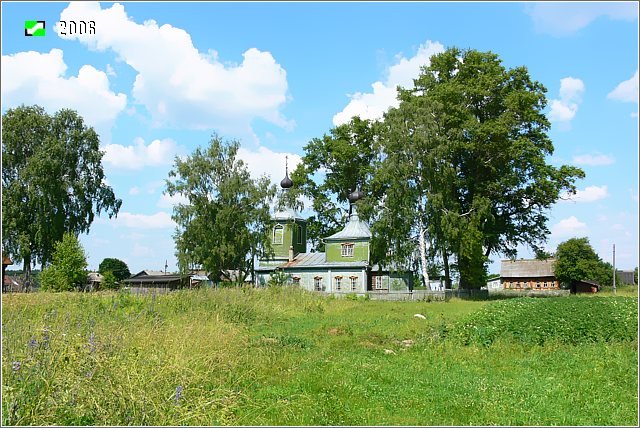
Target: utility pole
614 268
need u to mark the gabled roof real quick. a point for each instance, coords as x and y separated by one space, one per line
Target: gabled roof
526 268
149 273
355 229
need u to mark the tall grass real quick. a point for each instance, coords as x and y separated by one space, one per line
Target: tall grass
282 356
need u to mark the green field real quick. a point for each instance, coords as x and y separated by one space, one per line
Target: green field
288 357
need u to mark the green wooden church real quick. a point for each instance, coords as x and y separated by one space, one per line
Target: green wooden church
345 267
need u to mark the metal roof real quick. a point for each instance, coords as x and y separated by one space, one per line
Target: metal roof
287 214
313 260
355 229
526 268
156 279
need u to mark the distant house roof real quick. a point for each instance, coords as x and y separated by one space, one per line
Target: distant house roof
94 277
6 260
355 229
155 279
526 268
150 273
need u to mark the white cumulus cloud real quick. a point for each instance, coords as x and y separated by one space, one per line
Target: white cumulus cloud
40 78
564 18
626 91
167 201
372 105
266 161
568 227
565 108
140 155
159 220
179 85
594 159
589 194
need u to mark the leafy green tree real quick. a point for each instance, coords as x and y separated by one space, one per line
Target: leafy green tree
576 260
331 168
52 182
473 146
278 278
225 223
117 267
68 269
109 280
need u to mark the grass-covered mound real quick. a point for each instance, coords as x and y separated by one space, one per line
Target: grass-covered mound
571 320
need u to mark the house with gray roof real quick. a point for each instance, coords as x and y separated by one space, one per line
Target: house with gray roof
344 267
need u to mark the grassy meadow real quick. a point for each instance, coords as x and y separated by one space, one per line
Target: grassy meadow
282 356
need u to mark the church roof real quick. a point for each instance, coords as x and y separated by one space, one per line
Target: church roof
287 214
313 260
355 228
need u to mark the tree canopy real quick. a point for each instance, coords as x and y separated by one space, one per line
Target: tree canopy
68 268
117 267
52 181
458 170
344 159
576 260
224 222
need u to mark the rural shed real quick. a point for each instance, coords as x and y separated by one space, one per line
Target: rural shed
143 284
528 274
585 286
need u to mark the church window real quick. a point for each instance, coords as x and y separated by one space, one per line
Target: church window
317 283
278 234
347 250
299 234
296 280
354 282
338 283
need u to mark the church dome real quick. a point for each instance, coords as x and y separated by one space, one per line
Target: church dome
286 182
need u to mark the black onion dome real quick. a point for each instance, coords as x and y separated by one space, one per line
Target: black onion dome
286 182
355 196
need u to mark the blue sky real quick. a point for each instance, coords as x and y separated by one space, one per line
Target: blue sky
157 79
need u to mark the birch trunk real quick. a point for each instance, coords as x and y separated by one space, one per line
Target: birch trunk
423 254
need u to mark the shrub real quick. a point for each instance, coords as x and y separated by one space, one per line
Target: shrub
536 321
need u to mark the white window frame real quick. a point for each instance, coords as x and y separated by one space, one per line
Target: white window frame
338 283
278 228
354 283
347 250
377 281
317 283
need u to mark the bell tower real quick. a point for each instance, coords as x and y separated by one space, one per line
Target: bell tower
288 228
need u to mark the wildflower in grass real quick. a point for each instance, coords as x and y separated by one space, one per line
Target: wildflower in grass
178 395
16 366
33 343
92 342
45 337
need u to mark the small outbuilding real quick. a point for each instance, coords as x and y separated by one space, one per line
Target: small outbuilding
585 286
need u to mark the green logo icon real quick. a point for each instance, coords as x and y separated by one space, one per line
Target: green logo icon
34 28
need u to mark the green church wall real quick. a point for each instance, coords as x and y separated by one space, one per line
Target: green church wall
360 251
294 234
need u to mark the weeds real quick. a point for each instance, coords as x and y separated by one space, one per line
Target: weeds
283 356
